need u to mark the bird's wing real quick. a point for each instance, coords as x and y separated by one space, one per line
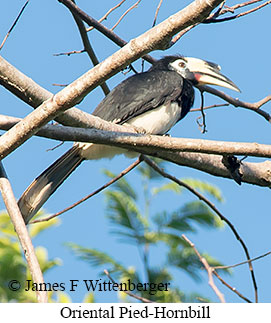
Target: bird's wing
138 94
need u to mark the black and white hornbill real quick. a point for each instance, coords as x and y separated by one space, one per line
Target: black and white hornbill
154 101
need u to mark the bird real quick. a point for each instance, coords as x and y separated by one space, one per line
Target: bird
153 101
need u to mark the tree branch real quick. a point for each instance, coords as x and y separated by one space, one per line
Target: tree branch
233 289
97 25
155 38
33 94
125 13
213 16
214 19
108 13
238 103
147 143
21 230
253 173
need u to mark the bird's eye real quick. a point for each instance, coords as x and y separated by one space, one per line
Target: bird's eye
182 64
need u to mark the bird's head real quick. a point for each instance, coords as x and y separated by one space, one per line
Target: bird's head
200 72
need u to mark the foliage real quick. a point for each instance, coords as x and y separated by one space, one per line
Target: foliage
13 265
133 222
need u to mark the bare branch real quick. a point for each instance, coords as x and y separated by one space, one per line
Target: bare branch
213 19
107 14
154 38
203 124
70 53
210 107
213 16
238 103
233 289
14 24
253 173
21 230
33 94
156 13
244 262
208 269
125 13
113 180
181 34
149 144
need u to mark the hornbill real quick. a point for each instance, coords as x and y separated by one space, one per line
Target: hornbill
154 100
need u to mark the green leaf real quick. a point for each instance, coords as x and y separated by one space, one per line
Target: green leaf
37 228
186 217
63 297
96 257
6 226
148 172
202 214
185 259
122 185
89 298
123 212
204 187
171 186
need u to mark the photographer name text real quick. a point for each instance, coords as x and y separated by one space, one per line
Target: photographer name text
97 285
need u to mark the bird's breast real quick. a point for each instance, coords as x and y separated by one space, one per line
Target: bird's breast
158 121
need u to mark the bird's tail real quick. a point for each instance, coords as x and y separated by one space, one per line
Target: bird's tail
45 185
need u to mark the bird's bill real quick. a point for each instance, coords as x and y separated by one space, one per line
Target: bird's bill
209 73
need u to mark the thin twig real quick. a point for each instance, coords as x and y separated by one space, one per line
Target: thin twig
156 13
107 14
55 147
100 27
237 6
210 107
142 299
70 53
243 262
125 13
22 232
213 17
208 269
238 103
212 206
13 25
233 289
60 85
203 124
242 14
113 180
181 34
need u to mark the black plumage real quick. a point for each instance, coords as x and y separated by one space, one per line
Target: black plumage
154 100
147 91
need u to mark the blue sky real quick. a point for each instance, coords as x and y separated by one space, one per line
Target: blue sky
241 47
